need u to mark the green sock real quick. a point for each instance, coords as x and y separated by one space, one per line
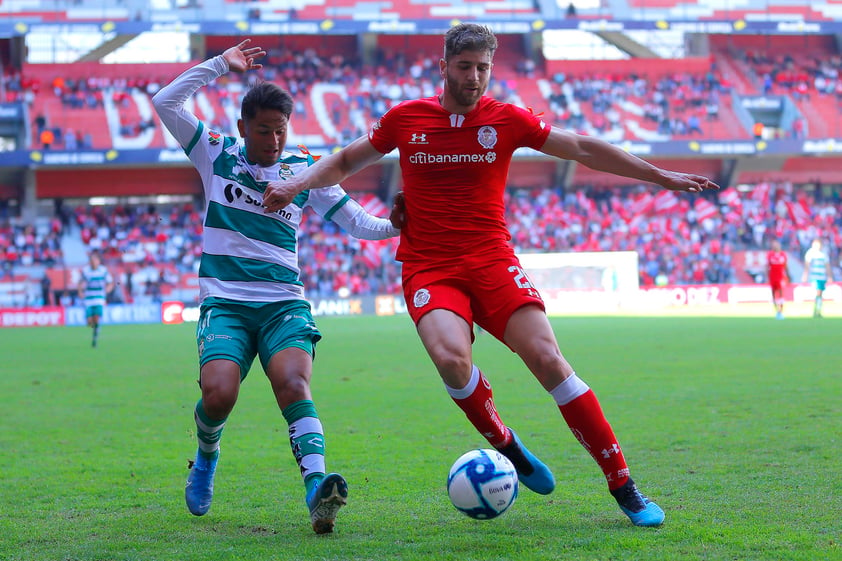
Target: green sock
208 432
307 440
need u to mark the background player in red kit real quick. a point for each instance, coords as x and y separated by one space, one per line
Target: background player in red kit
458 268
778 275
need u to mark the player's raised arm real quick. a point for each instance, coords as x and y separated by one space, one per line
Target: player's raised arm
327 171
603 156
169 101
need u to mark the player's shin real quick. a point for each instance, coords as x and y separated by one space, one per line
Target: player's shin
477 402
208 431
306 438
581 409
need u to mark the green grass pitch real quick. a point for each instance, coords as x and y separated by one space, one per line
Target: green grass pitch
732 424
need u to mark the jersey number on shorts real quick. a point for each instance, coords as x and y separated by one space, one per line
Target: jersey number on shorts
521 280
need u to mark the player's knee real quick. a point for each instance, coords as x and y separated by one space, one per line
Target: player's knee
453 365
218 398
545 361
290 389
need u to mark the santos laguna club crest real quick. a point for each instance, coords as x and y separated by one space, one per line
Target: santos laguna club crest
487 137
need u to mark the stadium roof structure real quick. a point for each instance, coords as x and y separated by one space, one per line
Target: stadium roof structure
161 11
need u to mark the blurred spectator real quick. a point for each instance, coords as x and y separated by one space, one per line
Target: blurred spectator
47 138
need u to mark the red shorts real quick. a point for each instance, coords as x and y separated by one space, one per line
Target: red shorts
485 290
776 284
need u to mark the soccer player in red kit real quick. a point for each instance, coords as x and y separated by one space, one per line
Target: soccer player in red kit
778 275
458 268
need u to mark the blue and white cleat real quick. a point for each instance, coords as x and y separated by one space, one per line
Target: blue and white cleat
531 471
199 490
640 510
325 500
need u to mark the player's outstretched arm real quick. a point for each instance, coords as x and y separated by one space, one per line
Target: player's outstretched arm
363 225
327 171
603 156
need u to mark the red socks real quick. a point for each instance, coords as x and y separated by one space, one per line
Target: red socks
477 401
580 408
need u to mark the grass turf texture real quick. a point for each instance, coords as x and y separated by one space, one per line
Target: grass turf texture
731 424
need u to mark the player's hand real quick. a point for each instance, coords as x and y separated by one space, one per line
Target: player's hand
241 57
279 194
398 214
688 182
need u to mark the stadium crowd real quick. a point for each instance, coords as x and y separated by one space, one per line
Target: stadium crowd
678 243
677 104
679 239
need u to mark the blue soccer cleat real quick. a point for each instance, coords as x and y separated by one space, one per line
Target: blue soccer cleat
531 471
199 490
640 510
325 500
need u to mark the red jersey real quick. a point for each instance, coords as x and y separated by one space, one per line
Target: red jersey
454 169
777 266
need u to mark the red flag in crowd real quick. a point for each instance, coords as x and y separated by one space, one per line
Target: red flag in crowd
798 213
664 202
370 252
636 222
761 193
642 205
373 205
585 203
730 197
705 209
732 217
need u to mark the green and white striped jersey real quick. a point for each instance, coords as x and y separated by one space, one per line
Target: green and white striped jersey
96 282
816 260
247 254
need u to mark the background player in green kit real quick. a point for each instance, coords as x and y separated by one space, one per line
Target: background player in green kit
817 271
252 300
94 288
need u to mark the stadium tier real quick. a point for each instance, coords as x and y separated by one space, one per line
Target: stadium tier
680 239
338 97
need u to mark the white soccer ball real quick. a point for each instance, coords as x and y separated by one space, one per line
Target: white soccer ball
482 484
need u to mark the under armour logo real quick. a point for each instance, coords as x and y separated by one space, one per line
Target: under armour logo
613 449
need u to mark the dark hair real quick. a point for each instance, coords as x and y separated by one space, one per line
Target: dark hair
266 95
469 37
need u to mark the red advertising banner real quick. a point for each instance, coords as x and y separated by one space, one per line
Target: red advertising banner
31 317
171 312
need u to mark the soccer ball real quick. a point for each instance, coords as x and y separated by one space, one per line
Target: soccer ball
482 484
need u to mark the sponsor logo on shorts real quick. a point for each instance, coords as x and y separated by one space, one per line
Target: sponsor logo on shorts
421 298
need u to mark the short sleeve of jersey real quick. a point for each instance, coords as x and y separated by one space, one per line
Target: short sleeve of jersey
382 133
534 129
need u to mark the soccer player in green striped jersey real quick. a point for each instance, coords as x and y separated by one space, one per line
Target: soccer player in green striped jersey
818 272
252 298
95 285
